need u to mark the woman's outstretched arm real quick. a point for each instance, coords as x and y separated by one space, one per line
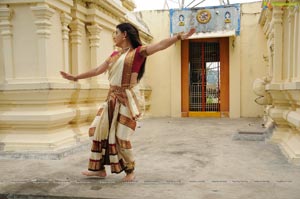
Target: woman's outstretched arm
94 72
165 43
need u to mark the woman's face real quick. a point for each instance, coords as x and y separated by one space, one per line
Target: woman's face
118 37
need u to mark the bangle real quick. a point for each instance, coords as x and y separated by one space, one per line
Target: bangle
179 36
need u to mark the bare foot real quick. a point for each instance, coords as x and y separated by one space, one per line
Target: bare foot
129 177
101 174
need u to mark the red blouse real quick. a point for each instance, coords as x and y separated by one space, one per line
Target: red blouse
137 61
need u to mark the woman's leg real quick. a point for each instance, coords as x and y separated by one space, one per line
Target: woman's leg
99 145
101 173
127 119
126 127
130 175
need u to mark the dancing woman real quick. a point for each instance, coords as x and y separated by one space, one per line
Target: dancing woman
115 121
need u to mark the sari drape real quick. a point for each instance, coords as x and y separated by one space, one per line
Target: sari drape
115 121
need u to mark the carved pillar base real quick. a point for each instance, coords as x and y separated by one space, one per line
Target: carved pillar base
289 142
47 120
286 115
35 120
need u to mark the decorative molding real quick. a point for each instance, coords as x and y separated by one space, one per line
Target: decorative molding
43 13
277 16
291 41
94 37
276 39
6 30
77 27
113 8
94 15
296 60
65 21
108 8
6 14
291 13
129 4
81 2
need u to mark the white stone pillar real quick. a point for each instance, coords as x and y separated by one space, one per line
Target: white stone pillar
280 103
276 24
43 14
270 44
296 43
6 32
290 49
65 21
94 38
77 28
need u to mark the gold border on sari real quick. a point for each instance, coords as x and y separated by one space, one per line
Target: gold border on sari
126 121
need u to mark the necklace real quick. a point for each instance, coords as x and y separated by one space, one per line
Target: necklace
125 49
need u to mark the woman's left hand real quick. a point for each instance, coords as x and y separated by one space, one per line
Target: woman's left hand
188 34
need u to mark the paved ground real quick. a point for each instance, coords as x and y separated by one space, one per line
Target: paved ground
175 158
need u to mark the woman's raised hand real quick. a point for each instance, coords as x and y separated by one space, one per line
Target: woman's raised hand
68 76
188 34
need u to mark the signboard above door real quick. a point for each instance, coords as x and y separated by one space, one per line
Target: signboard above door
218 21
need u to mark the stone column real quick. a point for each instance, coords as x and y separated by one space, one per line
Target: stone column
34 111
276 25
290 70
43 14
270 44
77 28
65 21
296 42
280 102
6 32
94 38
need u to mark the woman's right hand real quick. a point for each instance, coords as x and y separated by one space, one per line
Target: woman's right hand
68 76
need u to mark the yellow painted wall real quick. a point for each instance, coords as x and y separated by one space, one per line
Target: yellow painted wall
253 47
163 68
235 77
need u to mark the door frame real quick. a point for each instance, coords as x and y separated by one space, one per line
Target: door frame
224 78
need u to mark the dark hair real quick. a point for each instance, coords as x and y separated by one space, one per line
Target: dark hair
182 17
134 37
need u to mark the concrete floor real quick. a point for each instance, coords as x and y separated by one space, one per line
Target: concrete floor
175 158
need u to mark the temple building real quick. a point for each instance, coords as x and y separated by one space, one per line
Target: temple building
243 61
41 111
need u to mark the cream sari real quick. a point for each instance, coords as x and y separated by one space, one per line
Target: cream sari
115 121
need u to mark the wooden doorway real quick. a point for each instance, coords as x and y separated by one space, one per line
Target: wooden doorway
205 78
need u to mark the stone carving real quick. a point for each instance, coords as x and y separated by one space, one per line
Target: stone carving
263 98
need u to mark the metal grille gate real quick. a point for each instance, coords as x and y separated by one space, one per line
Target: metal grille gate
204 77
